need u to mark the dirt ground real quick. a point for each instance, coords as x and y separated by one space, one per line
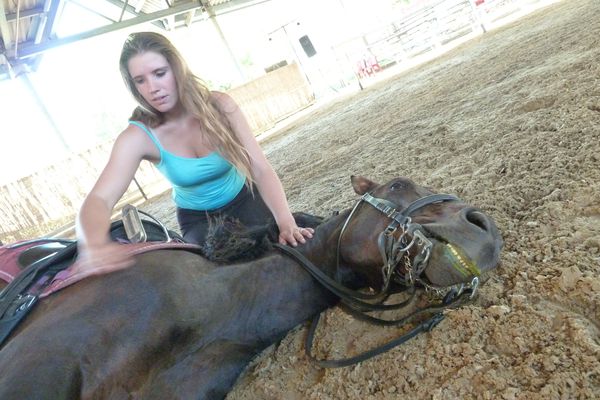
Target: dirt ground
510 122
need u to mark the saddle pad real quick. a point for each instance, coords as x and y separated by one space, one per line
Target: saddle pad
9 267
68 277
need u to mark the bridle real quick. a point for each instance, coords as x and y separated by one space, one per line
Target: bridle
394 250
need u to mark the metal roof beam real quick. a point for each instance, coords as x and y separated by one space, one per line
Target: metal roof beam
91 10
42 22
9 69
31 50
32 12
126 7
53 8
235 5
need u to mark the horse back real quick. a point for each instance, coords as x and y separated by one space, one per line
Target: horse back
89 332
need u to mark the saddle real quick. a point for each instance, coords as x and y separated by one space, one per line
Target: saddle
37 268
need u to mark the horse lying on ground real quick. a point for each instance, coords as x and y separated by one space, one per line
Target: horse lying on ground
177 326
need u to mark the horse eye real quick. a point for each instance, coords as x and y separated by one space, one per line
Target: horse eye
397 186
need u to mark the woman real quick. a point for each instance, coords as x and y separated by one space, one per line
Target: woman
198 139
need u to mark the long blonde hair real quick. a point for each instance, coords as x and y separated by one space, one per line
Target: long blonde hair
194 96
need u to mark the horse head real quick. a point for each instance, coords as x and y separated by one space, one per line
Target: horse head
405 230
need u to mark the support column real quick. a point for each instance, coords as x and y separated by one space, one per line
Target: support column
42 107
211 14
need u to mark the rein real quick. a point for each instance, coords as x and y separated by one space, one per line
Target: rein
394 251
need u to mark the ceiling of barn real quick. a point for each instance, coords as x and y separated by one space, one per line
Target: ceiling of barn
28 27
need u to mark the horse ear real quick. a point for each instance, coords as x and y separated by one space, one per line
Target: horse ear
361 184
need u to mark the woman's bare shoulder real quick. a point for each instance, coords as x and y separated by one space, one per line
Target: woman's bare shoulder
134 139
223 101
131 133
139 130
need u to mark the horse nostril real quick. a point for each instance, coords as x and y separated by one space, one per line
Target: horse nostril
478 218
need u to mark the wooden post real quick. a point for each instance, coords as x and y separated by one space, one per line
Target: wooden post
477 14
140 188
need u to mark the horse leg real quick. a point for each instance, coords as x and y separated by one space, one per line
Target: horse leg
208 373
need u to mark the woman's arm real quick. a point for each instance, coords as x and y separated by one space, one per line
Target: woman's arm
93 219
264 176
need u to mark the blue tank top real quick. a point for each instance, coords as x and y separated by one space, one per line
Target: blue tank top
203 183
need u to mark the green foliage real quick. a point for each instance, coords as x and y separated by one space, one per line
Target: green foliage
220 86
246 61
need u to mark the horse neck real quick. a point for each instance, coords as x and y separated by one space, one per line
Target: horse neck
285 293
321 250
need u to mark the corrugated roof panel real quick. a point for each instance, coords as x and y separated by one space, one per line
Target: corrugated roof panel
24 21
217 2
10 6
23 30
32 17
151 6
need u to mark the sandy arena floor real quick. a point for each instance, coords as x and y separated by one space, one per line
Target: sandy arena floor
510 122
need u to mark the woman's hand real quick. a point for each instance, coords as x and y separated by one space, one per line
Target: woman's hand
292 234
103 258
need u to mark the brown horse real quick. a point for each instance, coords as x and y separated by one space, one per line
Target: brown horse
176 326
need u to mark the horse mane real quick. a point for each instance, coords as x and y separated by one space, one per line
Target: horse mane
229 240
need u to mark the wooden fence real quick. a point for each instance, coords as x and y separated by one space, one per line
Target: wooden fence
273 96
428 28
48 200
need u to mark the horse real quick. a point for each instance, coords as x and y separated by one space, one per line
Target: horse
178 326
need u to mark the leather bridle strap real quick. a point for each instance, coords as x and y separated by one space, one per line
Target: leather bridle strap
351 299
354 304
425 326
348 296
400 218
452 300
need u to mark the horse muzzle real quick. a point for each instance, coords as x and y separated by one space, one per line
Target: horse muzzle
465 246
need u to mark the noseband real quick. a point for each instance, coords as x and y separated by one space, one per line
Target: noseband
394 251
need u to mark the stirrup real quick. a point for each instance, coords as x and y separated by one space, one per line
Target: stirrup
133 224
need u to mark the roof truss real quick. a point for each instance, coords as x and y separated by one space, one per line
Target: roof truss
27 26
